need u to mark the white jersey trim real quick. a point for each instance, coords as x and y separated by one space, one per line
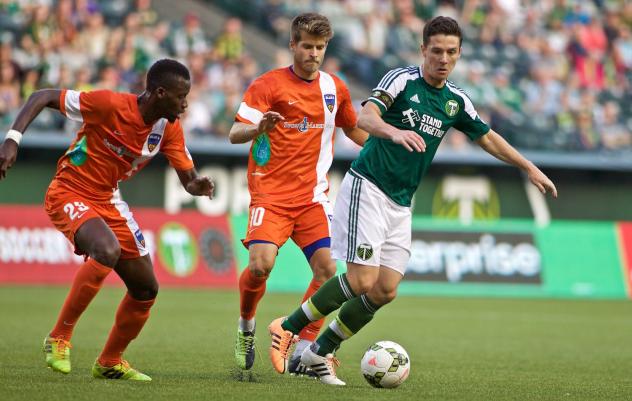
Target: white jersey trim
72 104
469 106
249 113
146 153
326 155
124 211
394 81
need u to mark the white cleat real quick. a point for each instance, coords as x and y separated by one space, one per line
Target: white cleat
323 366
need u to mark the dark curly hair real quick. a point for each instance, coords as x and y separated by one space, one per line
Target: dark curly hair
164 72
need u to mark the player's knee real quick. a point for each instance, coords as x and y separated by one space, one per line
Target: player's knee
324 271
382 296
145 291
361 284
387 296
107 253
261 265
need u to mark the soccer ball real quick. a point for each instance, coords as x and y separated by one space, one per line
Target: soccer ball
385 364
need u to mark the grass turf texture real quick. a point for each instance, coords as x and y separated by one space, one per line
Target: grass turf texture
460 348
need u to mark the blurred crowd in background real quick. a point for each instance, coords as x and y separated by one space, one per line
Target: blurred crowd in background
549 75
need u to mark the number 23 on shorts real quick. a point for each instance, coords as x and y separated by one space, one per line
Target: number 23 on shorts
75 210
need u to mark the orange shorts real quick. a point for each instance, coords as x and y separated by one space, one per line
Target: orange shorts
68 211
308 226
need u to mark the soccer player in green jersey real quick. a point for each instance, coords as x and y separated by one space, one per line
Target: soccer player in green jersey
407 116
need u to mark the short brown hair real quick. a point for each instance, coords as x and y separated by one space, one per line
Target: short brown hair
442 25
312 24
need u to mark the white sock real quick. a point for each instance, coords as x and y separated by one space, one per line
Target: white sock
246 325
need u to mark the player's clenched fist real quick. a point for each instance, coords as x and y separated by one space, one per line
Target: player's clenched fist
8 154
201 186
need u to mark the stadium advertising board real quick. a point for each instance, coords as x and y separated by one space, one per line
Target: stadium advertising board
515 258
188 249
474 257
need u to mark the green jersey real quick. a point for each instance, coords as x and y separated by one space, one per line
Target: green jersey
408 102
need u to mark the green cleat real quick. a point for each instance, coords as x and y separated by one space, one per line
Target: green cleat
120 371
245 349
57 352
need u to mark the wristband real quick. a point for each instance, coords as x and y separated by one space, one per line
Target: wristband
15 135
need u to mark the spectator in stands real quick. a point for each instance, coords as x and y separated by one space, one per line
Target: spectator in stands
578 44
190 38
230 45
613 134
9 91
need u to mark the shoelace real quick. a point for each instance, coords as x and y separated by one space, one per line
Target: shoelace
286 343
61 346
331 362
247 344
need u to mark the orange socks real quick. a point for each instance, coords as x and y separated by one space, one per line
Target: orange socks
130 319
310 332
251 290
85 286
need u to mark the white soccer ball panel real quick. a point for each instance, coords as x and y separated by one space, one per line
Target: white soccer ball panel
385 364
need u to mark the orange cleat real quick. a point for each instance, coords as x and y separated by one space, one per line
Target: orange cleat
282 341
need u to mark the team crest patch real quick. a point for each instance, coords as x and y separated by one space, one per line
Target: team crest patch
364 251
451 107
139 237
153 141
330 101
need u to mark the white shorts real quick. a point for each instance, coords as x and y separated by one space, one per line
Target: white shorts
368 228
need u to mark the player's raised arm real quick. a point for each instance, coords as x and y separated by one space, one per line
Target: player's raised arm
242 132
498 147
34 105
371 121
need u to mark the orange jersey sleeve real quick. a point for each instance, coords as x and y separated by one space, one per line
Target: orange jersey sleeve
87 107
346 115
257 100
175 149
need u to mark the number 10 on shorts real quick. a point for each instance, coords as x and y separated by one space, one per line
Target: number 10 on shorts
256 216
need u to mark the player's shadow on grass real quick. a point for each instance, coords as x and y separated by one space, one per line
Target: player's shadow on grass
244 376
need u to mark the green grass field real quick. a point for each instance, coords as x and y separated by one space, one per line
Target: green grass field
460 348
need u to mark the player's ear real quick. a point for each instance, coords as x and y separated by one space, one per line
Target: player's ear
292 45
161 92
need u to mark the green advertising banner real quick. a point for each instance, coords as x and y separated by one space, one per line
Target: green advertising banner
574 259
512 258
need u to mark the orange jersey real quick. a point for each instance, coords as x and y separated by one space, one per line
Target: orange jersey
114 142
288 165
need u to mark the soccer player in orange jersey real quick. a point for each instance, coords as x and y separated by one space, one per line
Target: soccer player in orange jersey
120 134
290 115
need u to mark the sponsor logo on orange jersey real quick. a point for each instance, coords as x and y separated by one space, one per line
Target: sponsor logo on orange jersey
306 125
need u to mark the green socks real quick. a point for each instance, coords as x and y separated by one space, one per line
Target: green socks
353 316
327 299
